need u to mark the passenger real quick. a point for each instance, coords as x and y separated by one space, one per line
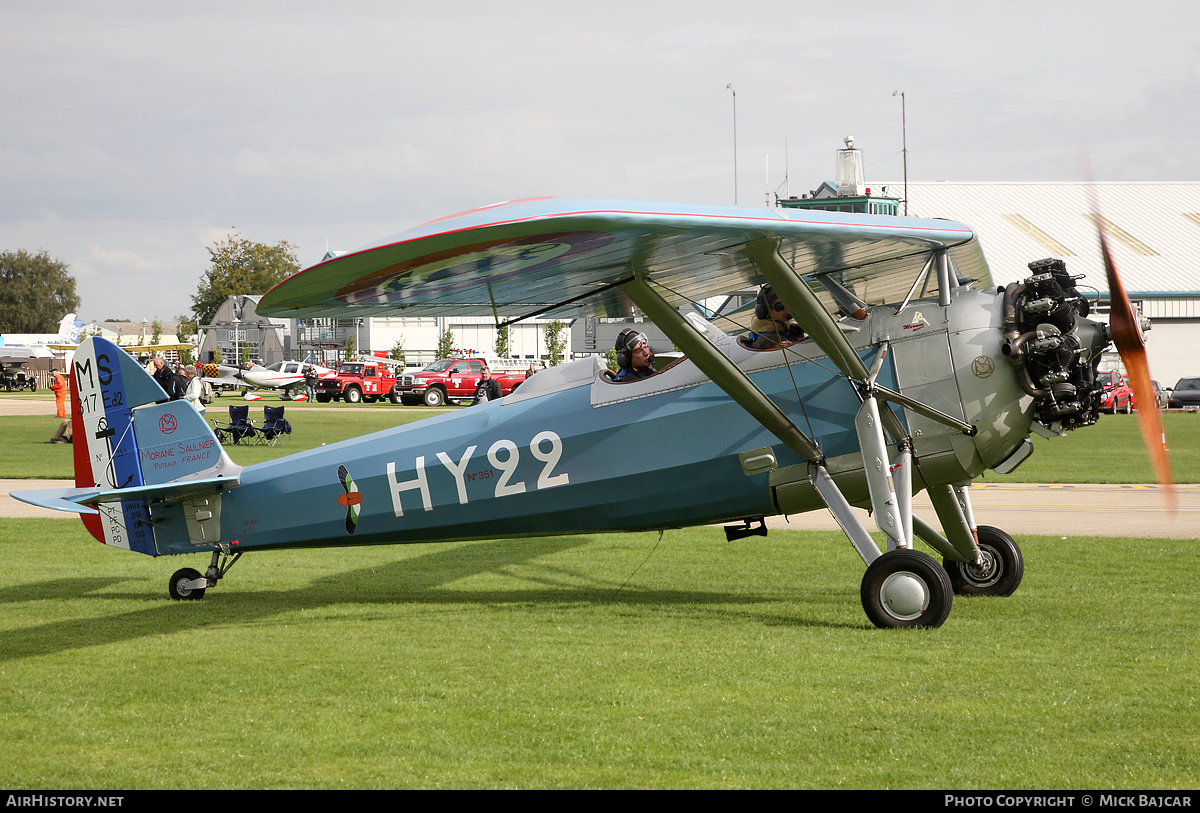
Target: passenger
635 357
772 326
488 388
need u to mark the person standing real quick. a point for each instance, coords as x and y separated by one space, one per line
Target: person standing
59 387
488 388
194 390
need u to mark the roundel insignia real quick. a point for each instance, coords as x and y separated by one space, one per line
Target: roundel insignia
983 366
351 498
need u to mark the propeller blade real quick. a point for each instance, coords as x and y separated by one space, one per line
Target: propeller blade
1125 326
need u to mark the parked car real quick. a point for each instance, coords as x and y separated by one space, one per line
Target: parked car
1160 395
1117 397
1186 394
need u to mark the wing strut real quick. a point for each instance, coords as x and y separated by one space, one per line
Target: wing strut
723 372
816 321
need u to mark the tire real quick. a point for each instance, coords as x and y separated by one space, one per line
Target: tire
370 399
180 593
435 397
906 588
323 398
1128 407
353 395
395 399
998 574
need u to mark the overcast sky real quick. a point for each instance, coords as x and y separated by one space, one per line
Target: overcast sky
134 134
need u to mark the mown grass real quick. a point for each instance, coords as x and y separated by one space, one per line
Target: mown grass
1109 452
619 661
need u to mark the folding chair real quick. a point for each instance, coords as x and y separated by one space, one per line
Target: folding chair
239 427
275 427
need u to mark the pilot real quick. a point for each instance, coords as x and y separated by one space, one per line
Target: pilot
635 357
772 326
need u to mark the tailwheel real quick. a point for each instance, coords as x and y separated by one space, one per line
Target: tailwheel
998 572
906 588
181 588
187 584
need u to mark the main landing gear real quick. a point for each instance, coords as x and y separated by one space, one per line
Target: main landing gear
188 585
906 588
997 573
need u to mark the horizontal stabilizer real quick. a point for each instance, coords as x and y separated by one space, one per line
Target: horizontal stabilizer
58 499
80 500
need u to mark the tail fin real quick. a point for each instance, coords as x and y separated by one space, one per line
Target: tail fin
68 329
127 435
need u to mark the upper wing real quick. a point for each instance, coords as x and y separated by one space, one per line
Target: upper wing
157 348
568 257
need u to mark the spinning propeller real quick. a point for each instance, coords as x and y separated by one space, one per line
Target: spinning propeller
1126 329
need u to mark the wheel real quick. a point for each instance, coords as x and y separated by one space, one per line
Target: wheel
906 588
181 593
1128 407
353 395
322 398
434 397
395 399
1000 569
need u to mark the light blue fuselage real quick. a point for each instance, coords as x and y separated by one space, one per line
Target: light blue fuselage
664 455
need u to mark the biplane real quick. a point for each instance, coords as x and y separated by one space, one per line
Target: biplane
917 373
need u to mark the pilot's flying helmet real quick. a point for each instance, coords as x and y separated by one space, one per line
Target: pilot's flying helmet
627 342
767 301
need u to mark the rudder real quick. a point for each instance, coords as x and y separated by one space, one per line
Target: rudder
127 434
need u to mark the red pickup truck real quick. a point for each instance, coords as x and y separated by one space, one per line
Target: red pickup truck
451 379
358 381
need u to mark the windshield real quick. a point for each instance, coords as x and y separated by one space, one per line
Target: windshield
439 366
1188 384
353 368
1108 379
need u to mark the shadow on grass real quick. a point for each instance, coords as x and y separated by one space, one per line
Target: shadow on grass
416 580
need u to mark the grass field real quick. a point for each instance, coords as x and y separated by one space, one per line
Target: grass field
618 661
615 661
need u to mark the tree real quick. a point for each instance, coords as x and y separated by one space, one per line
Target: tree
503 341
185 333
241 266
556 341
397 351
445 343
36 292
